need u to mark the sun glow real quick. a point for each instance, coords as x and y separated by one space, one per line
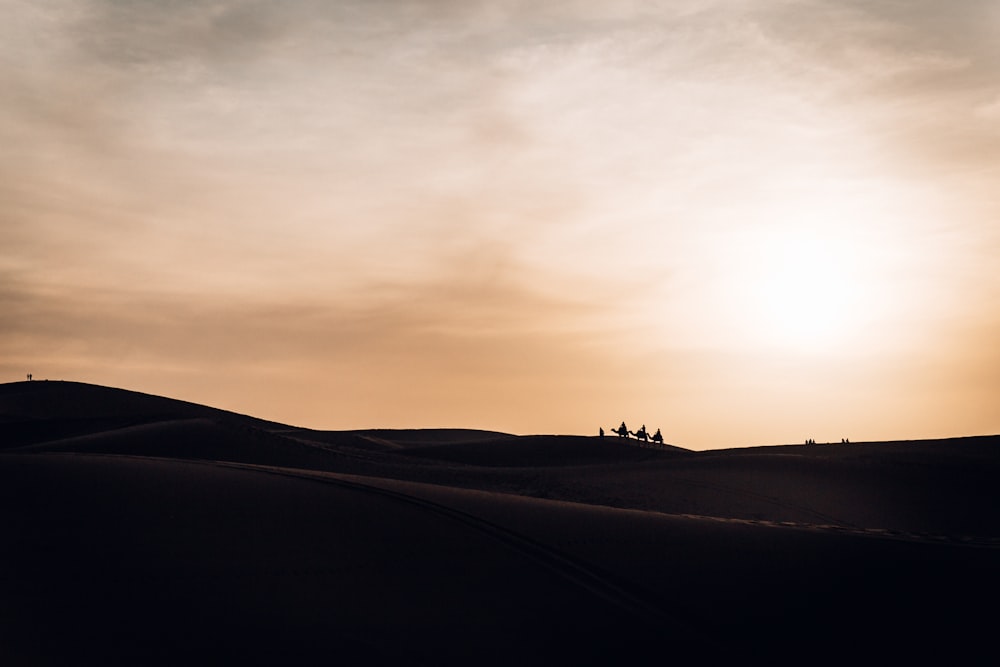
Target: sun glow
805 292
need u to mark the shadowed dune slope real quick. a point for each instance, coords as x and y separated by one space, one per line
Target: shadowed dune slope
397 439
141 530
60 400
71 416
148 561
144 561
944 487
541 450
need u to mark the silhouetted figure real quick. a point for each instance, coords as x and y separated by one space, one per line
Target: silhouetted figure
602 433
641 434
622 431
658 437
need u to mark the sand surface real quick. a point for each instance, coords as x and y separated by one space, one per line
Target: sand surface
142 530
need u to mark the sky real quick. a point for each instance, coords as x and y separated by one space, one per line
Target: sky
743 222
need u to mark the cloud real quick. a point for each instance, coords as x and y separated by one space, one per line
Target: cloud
501 188
403 355
408 126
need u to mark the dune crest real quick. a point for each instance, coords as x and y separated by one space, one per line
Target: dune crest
148 530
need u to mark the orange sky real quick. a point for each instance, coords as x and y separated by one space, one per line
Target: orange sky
742 222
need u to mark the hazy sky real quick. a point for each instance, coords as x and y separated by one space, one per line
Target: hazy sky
743 221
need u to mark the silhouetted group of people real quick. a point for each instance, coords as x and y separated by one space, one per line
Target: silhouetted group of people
623 432
843 441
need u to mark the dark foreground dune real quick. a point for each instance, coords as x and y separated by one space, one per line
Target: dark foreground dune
141 530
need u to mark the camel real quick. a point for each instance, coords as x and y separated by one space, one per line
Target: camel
622 431
641 434
658 437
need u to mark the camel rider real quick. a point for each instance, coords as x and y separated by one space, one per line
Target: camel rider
623 430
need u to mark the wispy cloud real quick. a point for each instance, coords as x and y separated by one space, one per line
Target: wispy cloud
450 187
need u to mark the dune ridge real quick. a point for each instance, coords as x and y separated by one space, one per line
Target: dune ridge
144 529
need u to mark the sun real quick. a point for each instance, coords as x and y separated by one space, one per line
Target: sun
804 291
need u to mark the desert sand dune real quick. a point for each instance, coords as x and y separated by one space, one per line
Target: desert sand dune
394 439
539 450
247 564
141 530
59 400
432 436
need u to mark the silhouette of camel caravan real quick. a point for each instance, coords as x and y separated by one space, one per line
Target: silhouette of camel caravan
641 434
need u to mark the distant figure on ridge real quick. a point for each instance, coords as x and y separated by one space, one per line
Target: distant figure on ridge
658 437
622 431
602 432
